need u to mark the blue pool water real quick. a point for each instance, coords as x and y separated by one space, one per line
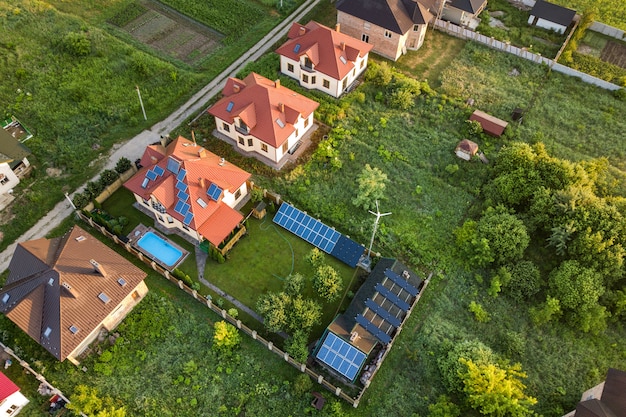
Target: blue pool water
159 248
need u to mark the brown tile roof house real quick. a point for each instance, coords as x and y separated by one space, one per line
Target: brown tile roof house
392 26
191 189
263 118
322 58
611 401
490 124
63 291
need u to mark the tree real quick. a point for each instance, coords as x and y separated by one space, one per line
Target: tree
303 314
473 249
226 337
85 400
315 257
273 307
546 312
452 368
494 390
302 384
372 183
283 312
294 284
328 283
297 347
506 234
525 281
444 407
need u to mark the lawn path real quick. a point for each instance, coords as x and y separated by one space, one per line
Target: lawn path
133 148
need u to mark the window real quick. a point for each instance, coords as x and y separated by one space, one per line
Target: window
416 28
297 133
185 227
313 80
362 63
237 194
366 25
290 67
387 34
365 38
326 84
170 220
345 83
135 295
241 141
264 147
121 281
306 122
285 148
226 127
104 298
243 126
5 298
354 72
305 78
160 218
47 332
4 180
250 143
146 203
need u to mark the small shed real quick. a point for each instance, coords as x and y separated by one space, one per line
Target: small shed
466 149
318 400
491 125
260 210
551 16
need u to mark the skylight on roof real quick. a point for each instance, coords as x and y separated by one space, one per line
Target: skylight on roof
280 123
144 184
80 238
104 298
51 282
296 48
201 202
74 329
230 106
173 165
343 59
121 281
47 332
5 298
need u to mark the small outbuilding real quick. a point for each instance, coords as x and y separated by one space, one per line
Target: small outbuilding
551 16
491 125
466 149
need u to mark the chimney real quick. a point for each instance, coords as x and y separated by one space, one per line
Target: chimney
202 183
342 45
281 107
71 291
97 267
236 88
202 153
353 336
154 159
222 161
302 31
338 27
277 83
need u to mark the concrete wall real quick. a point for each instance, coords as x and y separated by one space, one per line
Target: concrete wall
608 30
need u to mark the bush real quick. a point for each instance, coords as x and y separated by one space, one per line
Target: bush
77 44
123 165
108 177
480 314
525 281
80 200
401 99
302 385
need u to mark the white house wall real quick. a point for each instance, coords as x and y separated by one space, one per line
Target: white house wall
13 404
546 24
8 179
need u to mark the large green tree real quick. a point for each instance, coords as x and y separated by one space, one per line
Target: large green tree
372 183
327 282
505 233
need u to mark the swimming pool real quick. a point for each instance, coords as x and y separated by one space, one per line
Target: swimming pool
159 248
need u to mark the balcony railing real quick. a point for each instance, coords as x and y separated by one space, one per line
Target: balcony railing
307 68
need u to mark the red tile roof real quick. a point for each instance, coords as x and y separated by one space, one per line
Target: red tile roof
257 101
490 124
7 387
202 168
52 288
324 47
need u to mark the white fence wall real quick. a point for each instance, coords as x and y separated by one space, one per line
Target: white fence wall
463 33
608 30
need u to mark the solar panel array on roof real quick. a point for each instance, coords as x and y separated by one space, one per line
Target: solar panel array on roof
372 305
397 279
181 186
151 175
158 170
181 175
341 356
183 196
392 297
188 218
306 227
214 192
173 165
371 327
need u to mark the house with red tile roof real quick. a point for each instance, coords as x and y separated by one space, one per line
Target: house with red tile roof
188 188
391 26
323 59
262 118
11 399
64 291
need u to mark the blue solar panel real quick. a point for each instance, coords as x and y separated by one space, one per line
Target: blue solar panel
151 175
188 218
393 320
181 186
401 282
375 331
179 207
173 165
158 170
181 175
230 106
182 195
392 297
214 192
296 48
185 209
341 356
348 251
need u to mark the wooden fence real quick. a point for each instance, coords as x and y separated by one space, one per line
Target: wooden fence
460 32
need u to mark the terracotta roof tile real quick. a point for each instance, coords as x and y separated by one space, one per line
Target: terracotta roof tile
324 47
265 96
7 387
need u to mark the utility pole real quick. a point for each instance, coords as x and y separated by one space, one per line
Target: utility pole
141 102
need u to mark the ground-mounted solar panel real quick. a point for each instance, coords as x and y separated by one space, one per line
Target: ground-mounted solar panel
348 251
392 297
341 356
151 175
188 218
397 279
386 315
181 175
158 170
371 328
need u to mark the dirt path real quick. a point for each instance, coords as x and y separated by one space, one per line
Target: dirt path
133 148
